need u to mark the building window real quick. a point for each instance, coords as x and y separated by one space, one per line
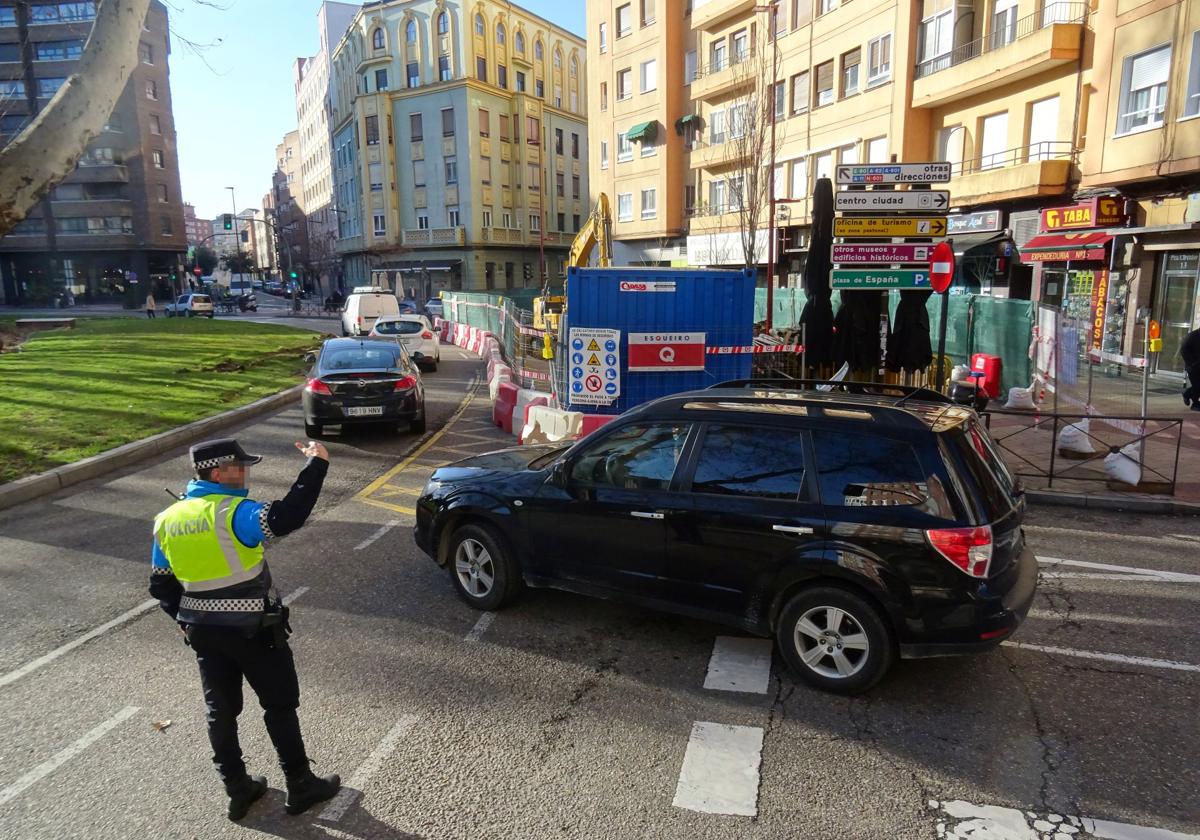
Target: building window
560 185
850 62
381 78
443 68
377 39
624 148
447 122
574 145
443 24
780 100
824 7
501 35
519 42
800 178
166 227
1043 129
487 217
575 223
718 55
535 222
649 149
689 67
1191 105
800 93
451 170
739 121
823 167
533 131
649 206
624 21
539 89
994 141
379 224
604 154
480 29
412 74
422 220
375 176
562 221
575 182
372 130
558 141
410 32
502 76
624 84
503 128
418 173
877 150
534 180
741 46
485 123
879 60
624 207
155 124
43 51
937 40
538 49
950 141
415 128
603 37
1144 90
647 12
146 53
162 194
159 159
452 217
604 96
825 84
151 89
481 68
1004 23
649 75
520 82
716 127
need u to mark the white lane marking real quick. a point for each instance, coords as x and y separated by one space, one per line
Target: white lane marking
1106 618
63 756
1122 831
337 807
1159 574
377 535
1169 664
1106 535
720 770
739 664
292 596
1093 576
29 667
480 627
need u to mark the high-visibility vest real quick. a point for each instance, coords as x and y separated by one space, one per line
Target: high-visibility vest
196 536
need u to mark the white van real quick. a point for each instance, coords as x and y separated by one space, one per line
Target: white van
364 306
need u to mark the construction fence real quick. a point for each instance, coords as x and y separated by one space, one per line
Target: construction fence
509 318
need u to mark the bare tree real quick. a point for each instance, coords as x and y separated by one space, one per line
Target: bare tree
47 150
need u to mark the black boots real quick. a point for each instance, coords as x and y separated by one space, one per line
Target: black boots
306 790
243 793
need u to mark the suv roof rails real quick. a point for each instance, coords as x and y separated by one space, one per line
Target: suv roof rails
902 392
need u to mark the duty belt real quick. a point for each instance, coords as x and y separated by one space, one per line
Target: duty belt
249 605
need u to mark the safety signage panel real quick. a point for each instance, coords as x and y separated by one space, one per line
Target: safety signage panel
884 278
892 200
882 253
594 366
889 226
895 173
663 351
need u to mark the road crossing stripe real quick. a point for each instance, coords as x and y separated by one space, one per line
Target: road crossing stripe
371 539
63 756
1159 574
337 807
292 596
720 772
29 667
480 627
741 664
1168 664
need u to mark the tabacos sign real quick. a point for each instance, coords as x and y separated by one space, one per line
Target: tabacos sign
1093 213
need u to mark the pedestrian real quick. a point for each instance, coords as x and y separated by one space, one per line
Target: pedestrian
150 305
209 574
1189 351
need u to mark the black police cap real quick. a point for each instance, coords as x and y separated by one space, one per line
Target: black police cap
214 453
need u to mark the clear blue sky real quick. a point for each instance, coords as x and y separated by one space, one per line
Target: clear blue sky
230 117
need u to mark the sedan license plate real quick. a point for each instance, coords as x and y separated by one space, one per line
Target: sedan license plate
366 411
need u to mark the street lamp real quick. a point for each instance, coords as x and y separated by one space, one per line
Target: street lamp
771 9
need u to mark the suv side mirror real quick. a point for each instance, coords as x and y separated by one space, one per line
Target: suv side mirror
560 473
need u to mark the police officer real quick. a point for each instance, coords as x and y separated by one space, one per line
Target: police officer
208 573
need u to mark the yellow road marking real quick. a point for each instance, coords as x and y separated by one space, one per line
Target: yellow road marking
393 490
420 450
389 506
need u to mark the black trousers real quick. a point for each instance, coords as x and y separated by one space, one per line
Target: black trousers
225 656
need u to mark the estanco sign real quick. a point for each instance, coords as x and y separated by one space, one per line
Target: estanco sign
647 285
1096 212
659 352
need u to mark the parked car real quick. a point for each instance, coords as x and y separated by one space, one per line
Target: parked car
415 333
356 381
362 308
190 305
853 525
408 306
434 308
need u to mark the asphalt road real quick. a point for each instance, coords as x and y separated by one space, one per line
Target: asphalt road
569 717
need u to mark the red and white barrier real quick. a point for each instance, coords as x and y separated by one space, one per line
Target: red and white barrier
550 425
503 406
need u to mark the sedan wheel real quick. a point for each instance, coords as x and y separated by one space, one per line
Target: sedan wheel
481 567
475 568
835 639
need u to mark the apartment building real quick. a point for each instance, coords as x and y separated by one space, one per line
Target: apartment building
114 228
282 204
460 146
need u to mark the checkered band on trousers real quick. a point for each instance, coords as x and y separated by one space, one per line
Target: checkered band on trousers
221 604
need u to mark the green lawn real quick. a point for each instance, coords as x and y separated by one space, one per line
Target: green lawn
73 393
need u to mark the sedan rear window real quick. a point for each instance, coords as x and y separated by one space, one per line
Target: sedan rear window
200 299
862 470
360 358
398 327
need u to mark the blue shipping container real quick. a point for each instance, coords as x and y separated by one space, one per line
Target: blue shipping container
719 304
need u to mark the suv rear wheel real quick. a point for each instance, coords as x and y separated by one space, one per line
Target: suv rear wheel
482 568
835 640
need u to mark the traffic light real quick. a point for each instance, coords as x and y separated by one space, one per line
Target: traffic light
227 221
293 275
528 271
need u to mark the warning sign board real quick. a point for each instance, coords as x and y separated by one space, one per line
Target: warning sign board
593 366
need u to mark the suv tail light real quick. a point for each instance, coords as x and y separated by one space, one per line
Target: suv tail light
970 549
426 334
405 384
316 386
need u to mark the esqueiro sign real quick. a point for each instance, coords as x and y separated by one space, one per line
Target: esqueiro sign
662 351
647 285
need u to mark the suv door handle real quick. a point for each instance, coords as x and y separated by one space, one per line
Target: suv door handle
642 514
792 529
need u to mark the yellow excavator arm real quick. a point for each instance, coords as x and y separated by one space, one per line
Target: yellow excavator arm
596 232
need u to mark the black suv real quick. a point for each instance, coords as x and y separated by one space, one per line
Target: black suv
854 524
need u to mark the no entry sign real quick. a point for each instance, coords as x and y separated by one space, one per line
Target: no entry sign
664 351
941 267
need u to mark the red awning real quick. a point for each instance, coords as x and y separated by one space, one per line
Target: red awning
1060 247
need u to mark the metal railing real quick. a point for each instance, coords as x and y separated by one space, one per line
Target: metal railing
1029 153
1051 13
732 59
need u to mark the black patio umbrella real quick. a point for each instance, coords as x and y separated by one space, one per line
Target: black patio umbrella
817 316
909 348
856 340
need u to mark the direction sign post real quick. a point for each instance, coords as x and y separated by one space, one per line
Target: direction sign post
887 227
885 254
895 173
876 200
879 278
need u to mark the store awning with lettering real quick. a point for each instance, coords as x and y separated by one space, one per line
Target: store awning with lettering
642 132
1061 247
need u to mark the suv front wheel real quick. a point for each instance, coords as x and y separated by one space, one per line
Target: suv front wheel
482 569
835 640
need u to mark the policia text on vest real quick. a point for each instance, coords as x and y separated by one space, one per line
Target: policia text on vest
209 573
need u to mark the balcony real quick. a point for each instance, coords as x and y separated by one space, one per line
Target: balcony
1040 169
1034 44
100 173
708 14
504 236
446 237
722 77
715 153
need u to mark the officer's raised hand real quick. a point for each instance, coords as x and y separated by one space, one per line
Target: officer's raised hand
313 449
